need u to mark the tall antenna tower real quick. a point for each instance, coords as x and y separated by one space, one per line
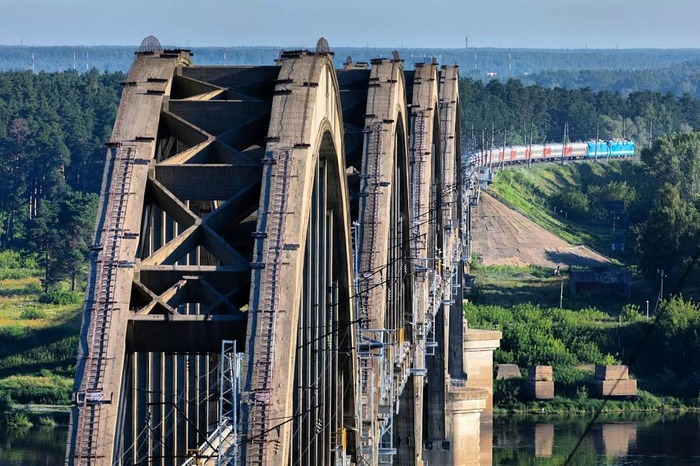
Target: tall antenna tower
510 61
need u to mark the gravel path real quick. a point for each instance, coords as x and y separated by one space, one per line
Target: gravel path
502 236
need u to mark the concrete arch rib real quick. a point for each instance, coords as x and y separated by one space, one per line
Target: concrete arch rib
303 193
383 252
449 151
453 236
425 161
101 352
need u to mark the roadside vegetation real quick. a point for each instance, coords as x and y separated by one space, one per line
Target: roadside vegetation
663 352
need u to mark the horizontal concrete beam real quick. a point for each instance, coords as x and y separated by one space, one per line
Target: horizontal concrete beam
159 278
193 334
255 81
203 182
218 116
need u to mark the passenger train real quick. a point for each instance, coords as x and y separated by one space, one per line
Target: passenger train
613 148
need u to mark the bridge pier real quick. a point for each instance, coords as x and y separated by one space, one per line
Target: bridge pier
479 346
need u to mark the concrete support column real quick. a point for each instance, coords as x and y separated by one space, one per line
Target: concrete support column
479 346
464 425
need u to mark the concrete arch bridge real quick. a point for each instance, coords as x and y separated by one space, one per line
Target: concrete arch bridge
277 266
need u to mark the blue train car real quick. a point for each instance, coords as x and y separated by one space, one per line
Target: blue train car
610 148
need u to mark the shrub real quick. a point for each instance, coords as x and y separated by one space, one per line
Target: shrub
39 390
573 202
32 313
17 420
60 298
46 422
506 393
5 402
10 259
582 393
630 313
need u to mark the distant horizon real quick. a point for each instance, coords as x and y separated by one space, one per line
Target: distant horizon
404 24
188 47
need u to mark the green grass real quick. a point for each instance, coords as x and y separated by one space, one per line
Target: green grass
503 285
562 405
38 340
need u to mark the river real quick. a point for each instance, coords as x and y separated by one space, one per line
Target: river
621 440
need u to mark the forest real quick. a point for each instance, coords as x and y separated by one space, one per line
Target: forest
53 127
519 114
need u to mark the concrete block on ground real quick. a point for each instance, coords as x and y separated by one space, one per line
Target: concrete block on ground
611 372
508 371
538 389
612 381
540 373
613 387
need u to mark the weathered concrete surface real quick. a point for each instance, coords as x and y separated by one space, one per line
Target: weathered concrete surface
539 384
148 82
462 444
502 236
305 125
478 348
508 371
612 381
424 155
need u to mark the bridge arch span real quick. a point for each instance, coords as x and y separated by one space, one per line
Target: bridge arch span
384 269
301 309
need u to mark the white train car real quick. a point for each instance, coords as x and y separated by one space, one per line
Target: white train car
579 150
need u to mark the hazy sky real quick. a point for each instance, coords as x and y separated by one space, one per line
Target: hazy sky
380 23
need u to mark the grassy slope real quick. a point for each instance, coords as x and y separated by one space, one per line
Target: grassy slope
38 342
529 190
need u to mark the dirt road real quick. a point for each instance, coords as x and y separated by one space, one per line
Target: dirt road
502 236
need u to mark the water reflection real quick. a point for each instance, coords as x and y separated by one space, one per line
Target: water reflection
616 438
620 440
613 440
33 447
543 440
646 439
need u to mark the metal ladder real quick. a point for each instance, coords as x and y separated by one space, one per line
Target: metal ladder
417 182
91 396
279 181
